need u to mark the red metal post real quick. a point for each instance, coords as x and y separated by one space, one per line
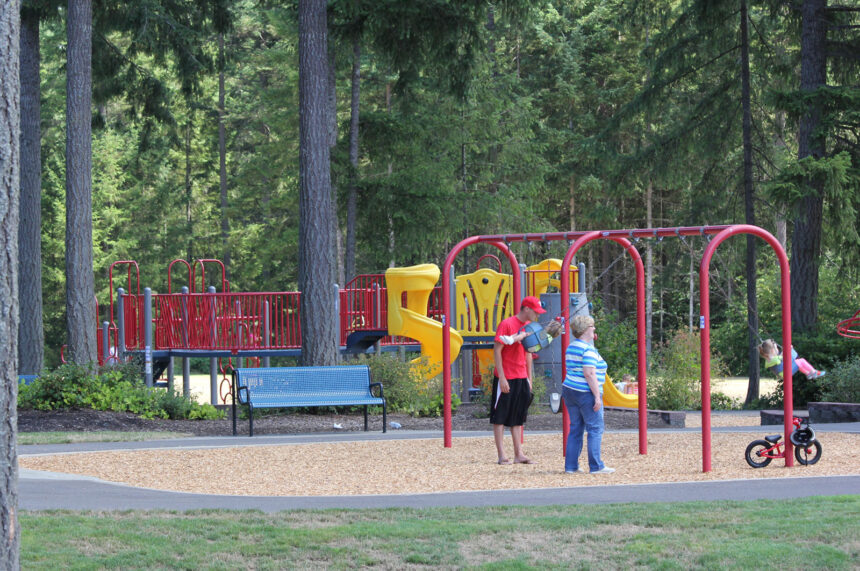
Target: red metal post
705 326
130 264
640 326
499 243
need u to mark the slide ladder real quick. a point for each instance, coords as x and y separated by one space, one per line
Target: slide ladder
417 282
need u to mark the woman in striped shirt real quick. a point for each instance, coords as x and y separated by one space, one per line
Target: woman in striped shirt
583 396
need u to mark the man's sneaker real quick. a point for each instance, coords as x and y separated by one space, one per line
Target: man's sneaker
604 470
577 471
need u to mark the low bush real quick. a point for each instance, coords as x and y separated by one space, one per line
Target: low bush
803 391
118 389
842 382
722 401
676 380
406 391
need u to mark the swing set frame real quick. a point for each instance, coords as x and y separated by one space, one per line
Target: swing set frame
626 238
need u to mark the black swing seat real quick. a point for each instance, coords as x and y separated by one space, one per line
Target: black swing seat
773 438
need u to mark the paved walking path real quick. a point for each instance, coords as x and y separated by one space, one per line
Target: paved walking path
44 490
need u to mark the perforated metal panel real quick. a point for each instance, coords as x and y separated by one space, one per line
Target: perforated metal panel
306 386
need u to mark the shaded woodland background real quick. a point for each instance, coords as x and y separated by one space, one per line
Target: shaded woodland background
453 119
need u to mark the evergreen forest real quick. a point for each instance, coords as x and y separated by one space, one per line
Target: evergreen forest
451 119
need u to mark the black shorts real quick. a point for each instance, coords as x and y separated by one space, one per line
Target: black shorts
511 408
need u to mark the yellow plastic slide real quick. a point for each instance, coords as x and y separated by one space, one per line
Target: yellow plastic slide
412 321
613 397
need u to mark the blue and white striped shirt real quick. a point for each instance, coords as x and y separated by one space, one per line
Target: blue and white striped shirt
580 354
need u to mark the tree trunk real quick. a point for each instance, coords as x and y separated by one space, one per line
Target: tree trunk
605 285
81 318
806 237
338 274
189 229
649 269
691 293
571 209
31 336
10 530
222 158
352 193
749 213
391 241
316 250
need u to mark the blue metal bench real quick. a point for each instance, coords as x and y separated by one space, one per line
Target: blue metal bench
284 387
26 379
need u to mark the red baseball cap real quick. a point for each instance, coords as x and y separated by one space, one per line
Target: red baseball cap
533 303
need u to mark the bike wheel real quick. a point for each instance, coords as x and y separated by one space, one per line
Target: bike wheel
809 454
754 453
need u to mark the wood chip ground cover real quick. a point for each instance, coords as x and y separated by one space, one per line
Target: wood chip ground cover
424 466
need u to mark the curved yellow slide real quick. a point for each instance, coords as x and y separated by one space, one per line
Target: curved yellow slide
412 321
613 397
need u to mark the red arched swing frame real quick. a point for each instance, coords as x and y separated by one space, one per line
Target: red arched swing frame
623 238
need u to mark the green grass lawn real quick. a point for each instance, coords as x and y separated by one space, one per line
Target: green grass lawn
812 533
99 436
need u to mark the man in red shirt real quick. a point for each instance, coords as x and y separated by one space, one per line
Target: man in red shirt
512 380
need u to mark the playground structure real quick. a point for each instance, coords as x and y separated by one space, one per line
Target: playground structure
850 327
259 326
626 238
399 310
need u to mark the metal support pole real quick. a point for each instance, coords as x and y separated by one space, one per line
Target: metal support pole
240 333
147 335
213 362
581 272
120 319
267 331
170 375
186 377
186 361
213 380
105 342
522 269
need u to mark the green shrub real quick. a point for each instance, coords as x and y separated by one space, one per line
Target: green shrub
616 339
804 391
405 391
842 382
119 389
676 381
68 386
722 401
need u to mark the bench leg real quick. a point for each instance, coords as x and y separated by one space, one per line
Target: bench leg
251 418
233 396
384 419
365 418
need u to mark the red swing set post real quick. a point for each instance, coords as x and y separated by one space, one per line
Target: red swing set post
624 237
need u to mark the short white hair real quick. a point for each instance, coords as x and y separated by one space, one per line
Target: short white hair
580 323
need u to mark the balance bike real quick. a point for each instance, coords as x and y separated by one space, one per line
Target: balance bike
807 449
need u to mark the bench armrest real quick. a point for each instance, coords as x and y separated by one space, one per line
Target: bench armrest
381 395
239 395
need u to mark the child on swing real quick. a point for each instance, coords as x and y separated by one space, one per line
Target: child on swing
772 356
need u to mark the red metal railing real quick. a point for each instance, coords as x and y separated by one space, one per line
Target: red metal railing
226 321
235 321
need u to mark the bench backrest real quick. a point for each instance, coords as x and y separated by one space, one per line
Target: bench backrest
305 381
